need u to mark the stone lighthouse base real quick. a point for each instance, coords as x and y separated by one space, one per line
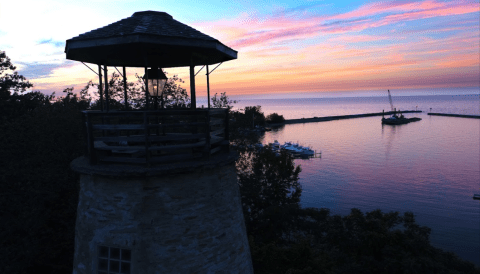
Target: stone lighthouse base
176 218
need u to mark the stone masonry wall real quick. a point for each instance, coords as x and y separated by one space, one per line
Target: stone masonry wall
178 223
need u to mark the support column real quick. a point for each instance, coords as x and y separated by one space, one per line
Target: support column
208 87
125 88
192 88
100 86
146 88
105 72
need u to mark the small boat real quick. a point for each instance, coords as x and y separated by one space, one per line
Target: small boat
396 119
399 120
292 148
306 151
298 150
275 144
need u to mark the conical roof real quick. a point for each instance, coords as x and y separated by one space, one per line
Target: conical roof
148 39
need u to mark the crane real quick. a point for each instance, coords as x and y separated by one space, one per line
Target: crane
390 99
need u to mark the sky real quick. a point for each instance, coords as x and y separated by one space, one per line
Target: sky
284 47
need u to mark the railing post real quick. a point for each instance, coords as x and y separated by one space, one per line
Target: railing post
227 136
85 133
207 133
147 135
90 142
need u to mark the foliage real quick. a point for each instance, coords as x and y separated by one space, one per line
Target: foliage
255 114
16 105
116 94
274 118
223 101
10 83
267 180
39 191
374 242
174 96
242 123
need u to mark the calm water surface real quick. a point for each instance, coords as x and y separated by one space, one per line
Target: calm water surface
310 107
430 167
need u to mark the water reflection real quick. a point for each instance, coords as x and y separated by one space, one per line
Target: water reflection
430 167
390 137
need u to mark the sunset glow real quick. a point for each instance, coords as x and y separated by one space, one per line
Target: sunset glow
285 48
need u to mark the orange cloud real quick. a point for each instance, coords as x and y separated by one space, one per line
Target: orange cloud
287 53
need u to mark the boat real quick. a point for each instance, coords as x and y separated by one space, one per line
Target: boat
306 151
298 150
397 119
292 148
275 144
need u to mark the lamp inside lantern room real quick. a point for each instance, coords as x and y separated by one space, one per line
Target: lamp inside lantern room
156 83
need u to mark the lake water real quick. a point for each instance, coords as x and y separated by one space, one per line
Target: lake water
430 167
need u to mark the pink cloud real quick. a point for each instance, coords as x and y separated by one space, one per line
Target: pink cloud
249 30
339 57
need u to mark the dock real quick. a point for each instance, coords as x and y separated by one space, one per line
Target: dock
455 115
341 117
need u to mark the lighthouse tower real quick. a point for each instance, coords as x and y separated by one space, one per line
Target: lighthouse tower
158 188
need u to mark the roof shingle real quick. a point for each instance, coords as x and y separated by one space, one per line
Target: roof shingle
145 22
147 39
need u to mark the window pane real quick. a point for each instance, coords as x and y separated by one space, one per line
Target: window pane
125 268
114 266
126 255
102 264
103 251
115 253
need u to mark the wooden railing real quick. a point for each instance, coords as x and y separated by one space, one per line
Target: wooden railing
156 136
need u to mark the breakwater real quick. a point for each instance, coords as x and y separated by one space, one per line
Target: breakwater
340 117
455 115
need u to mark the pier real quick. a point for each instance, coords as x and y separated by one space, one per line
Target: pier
455 115
341 117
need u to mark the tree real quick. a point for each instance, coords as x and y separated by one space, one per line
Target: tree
255 115
243 122
372 242
39 190
11 82
223 101
173 96
274 118
268 184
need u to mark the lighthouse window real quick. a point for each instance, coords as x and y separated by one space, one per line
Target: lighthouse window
113 260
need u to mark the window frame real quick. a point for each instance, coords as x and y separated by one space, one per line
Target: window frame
121 261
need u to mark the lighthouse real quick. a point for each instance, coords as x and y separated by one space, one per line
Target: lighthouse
158 187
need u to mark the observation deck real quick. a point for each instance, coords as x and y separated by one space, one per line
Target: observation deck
155 137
